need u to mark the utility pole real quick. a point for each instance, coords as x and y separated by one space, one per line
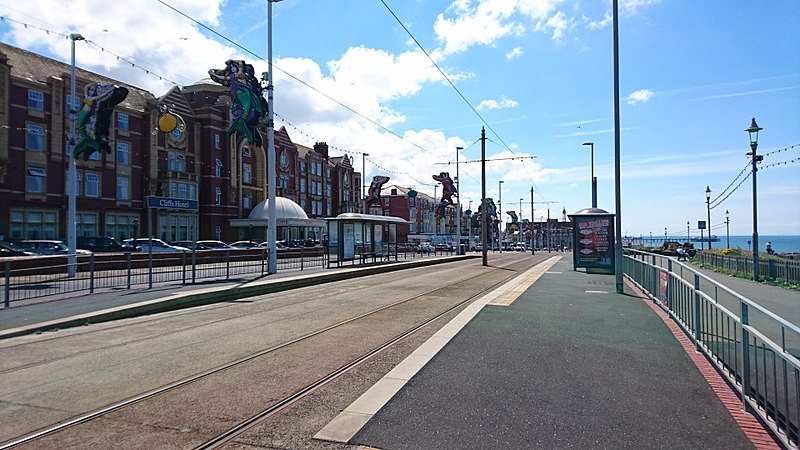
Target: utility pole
533 251
485 206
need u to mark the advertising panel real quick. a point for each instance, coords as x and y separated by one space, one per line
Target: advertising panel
594 242
349 241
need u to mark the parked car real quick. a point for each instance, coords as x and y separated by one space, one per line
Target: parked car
191 245
245 244
48 247
102 244
216 245
158 245
425 247
444 248
11 249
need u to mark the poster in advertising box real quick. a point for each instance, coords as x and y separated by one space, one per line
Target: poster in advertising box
594 242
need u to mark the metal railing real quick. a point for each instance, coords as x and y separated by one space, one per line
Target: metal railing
41 278
779 270
755 349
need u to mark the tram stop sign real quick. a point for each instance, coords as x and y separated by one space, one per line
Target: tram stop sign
412 193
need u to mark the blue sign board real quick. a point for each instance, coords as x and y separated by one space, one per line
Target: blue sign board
172 203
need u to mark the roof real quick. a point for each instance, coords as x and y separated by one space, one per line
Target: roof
284 209
37 68
356 217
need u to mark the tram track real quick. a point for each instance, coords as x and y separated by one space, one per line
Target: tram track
440 291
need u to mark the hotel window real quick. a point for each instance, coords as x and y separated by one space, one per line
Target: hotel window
330 209
303 203
92 188
86 224
121 226
284 182
33 225
302 167
123 153
218 196
176 162
123 188
246 200
35 100
122 121
35 180
217 141
192 192
302 185
328 189
247 172
76 104
328 172
246 151
34 138
218 168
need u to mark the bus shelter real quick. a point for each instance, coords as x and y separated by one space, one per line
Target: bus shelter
361 238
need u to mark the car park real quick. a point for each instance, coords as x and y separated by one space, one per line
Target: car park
158 245
99 244
48 247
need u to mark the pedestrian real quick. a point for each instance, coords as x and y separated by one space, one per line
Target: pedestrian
769 248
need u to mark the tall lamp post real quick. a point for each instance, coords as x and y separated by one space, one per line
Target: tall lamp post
500 213
272 221
364 182
688 235
708 208
72 235
727 229
458 205
753 130
594 180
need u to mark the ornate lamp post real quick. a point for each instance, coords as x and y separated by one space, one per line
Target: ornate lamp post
727 229
72 188
363 182
753 130
708 207
272 214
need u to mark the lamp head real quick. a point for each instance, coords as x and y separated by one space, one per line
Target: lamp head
708 192
77 37
588 143
753 130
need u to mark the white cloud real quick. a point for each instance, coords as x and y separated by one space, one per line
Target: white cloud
490 20
515 53
494 104
640 96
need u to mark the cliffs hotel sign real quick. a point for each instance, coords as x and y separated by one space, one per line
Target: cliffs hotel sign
174 204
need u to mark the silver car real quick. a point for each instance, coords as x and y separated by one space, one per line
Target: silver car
158 245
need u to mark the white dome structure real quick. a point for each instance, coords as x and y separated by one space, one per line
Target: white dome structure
284 209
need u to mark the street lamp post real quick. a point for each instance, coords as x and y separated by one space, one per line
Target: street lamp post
519 231
272 221
727 229
688 235
72 188
458 205
708 208
753 130
500 213
594 180
364 182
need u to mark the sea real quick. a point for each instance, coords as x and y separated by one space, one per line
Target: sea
780 243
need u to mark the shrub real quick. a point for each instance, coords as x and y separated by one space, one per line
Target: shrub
732 252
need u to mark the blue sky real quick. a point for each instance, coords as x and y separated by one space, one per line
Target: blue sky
536 73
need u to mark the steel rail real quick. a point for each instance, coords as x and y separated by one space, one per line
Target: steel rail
190 379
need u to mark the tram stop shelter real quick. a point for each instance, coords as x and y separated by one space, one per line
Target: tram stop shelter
361 238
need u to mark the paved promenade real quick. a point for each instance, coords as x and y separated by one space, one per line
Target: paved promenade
569 364
554 359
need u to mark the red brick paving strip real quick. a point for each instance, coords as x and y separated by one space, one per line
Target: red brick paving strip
759 435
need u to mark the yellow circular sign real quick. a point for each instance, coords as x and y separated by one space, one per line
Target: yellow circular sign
167 123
